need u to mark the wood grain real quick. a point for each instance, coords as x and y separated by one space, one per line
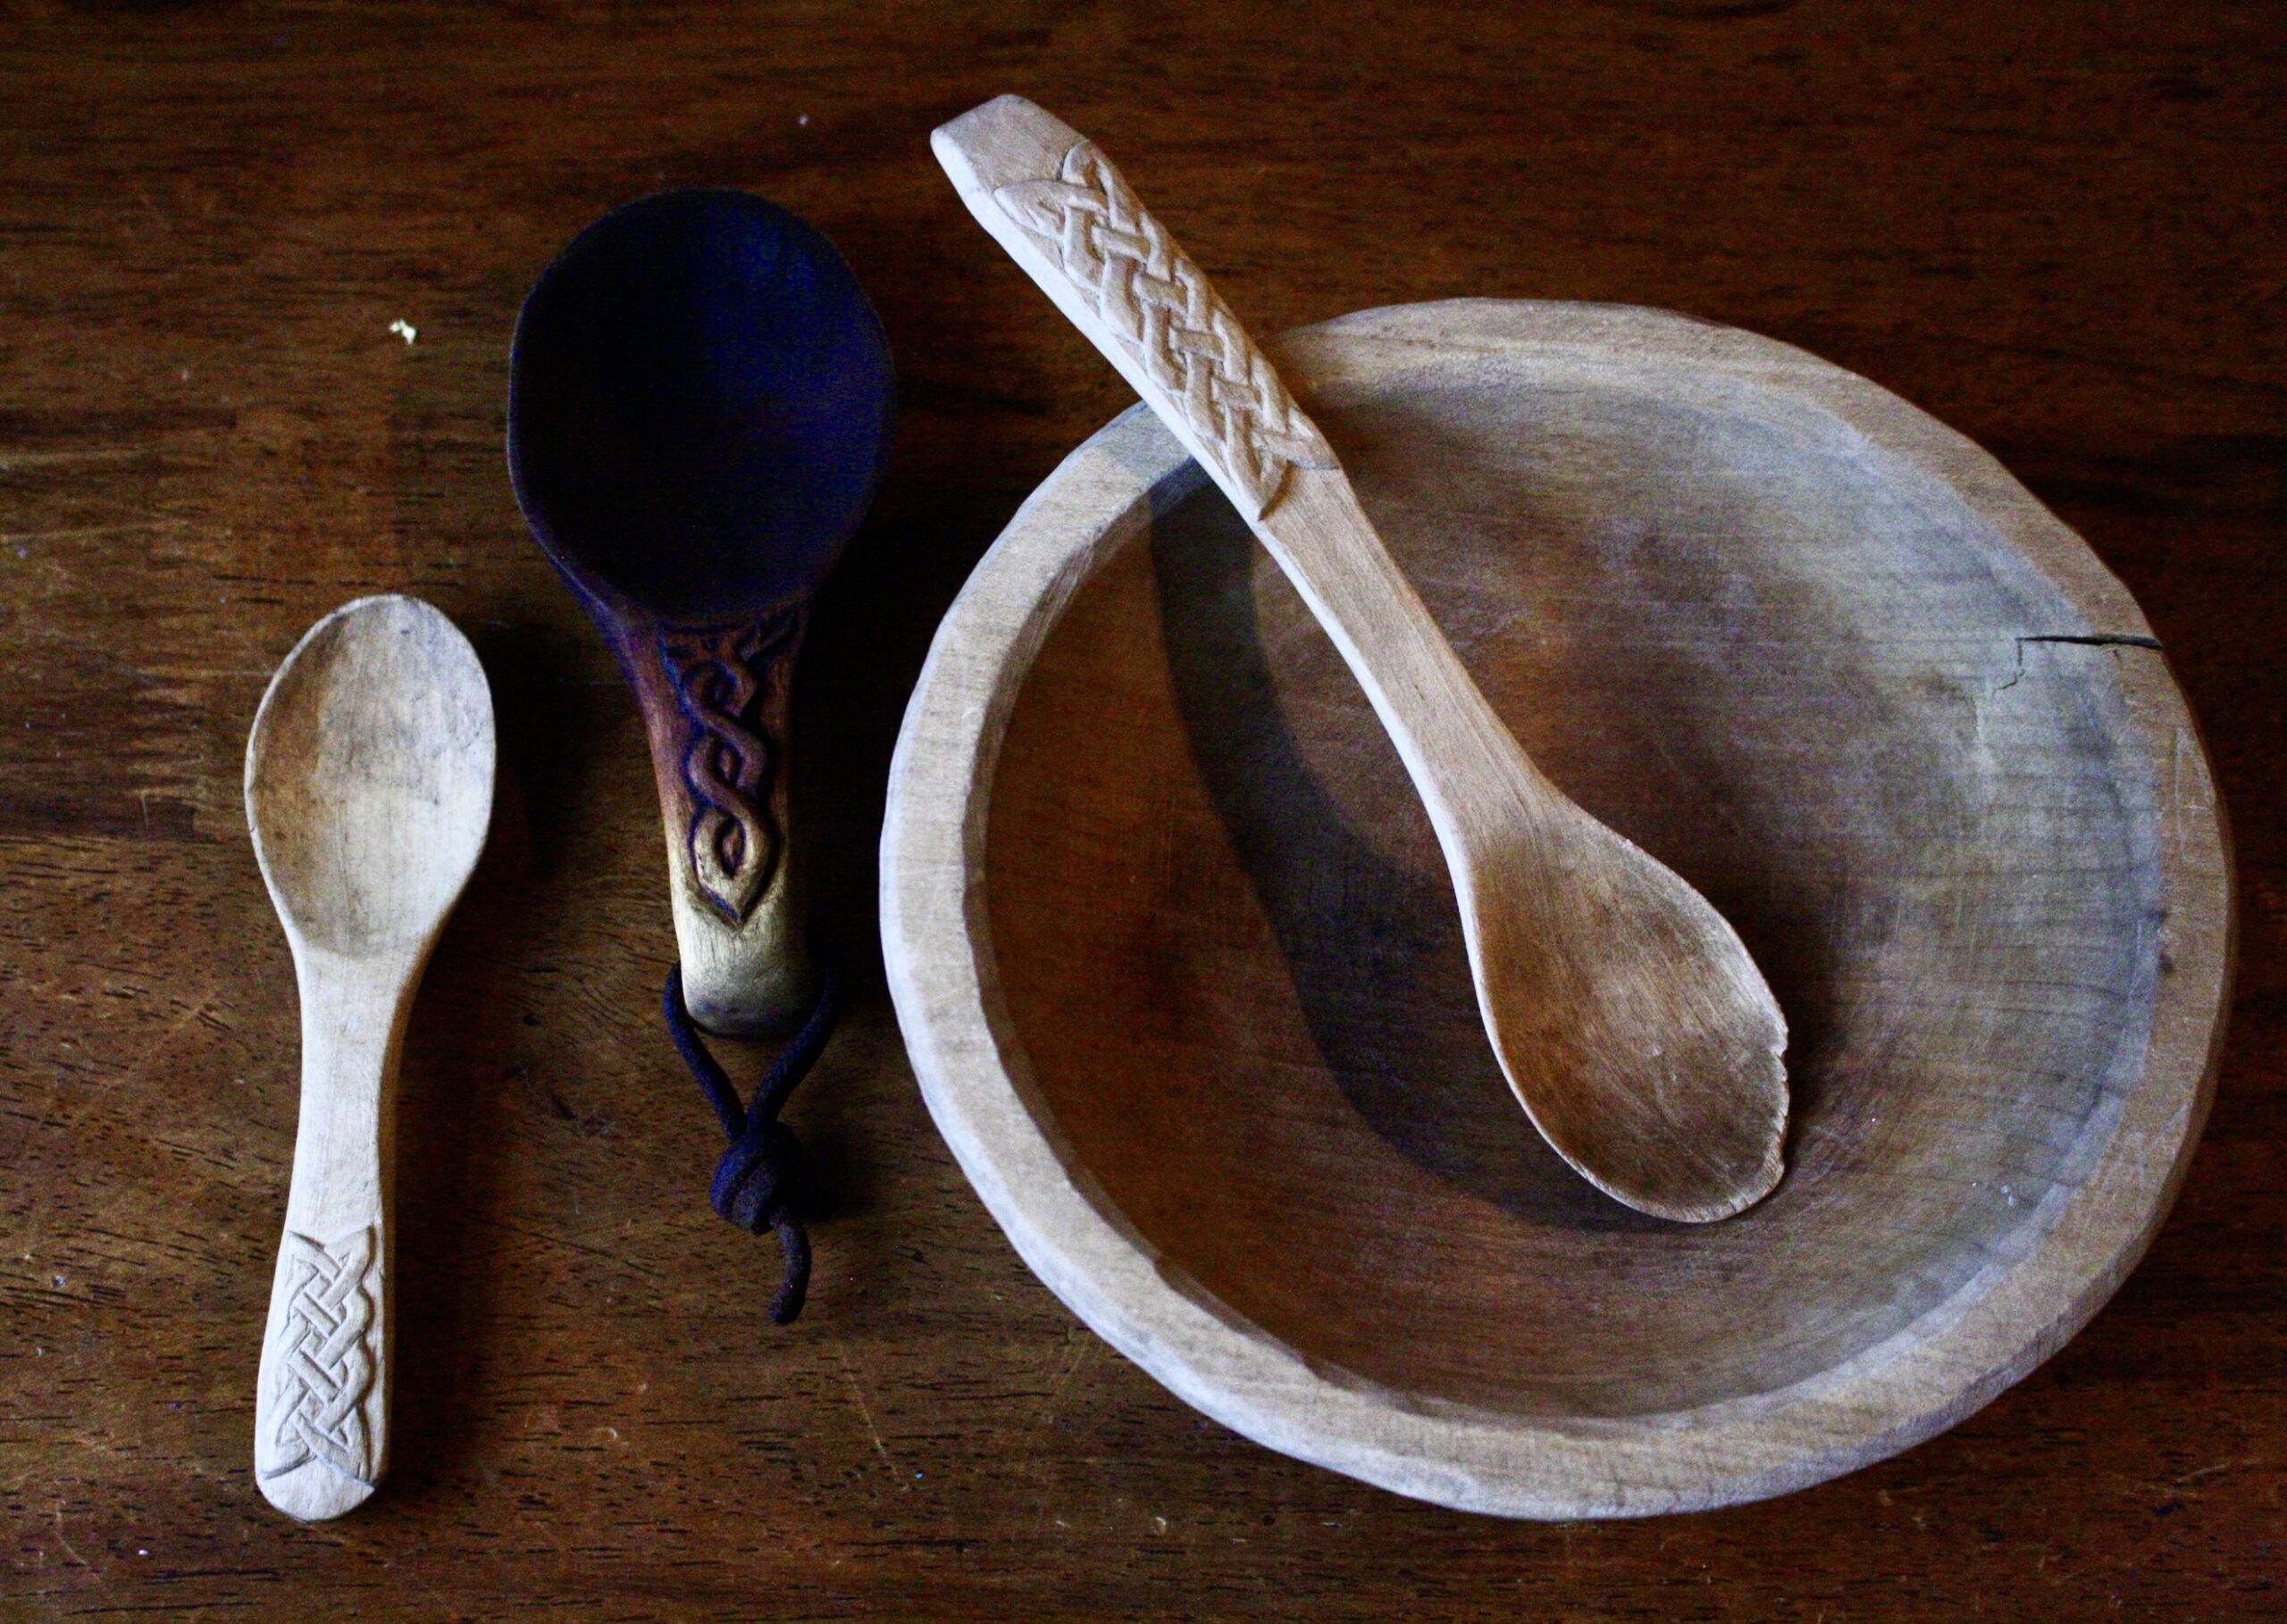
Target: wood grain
2050 229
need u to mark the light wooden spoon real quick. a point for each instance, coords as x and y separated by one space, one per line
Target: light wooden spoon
369 784
1634 1028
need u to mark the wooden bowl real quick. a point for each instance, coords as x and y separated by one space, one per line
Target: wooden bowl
1181 974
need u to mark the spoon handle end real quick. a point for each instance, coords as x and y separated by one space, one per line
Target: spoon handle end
321 1411
1050 197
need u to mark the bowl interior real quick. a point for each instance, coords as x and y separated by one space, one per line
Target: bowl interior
1791 670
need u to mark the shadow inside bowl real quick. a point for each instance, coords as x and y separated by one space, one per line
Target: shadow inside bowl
1231 951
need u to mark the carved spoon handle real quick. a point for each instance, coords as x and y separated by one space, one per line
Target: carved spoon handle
322 1407
1064 214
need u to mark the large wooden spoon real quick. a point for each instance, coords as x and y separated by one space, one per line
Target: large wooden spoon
1634 1028
369 784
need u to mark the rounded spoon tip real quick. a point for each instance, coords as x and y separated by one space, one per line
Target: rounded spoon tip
1721 1154
369 775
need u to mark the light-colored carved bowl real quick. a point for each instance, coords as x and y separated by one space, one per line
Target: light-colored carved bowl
1179 970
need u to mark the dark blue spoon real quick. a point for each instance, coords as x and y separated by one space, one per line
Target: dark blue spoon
699 407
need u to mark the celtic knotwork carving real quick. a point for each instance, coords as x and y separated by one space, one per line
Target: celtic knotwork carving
1171 322
719 674
325 1357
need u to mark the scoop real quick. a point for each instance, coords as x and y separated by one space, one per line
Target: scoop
699 407
369 785
1631 1024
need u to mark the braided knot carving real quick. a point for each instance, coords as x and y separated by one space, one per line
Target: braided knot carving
719 675
325 1369
1171 322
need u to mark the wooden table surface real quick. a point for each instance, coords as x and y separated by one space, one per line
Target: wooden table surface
2058 229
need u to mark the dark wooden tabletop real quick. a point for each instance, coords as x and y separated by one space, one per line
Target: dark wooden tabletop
2057 228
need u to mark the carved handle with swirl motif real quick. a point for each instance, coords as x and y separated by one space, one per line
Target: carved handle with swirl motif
715 699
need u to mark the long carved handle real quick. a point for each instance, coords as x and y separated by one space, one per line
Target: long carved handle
322 1404
1063 212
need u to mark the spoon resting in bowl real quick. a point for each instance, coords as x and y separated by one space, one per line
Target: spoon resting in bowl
1631 1024
368 786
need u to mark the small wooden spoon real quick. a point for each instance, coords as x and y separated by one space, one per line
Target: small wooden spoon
1634 1028
700 399
369 784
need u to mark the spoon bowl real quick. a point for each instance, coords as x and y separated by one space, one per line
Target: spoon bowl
369 777
369 787
699 403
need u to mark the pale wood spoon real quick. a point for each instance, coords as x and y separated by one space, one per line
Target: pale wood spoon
369 785
1632 1026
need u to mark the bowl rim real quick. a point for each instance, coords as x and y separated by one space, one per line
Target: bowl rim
977 1083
